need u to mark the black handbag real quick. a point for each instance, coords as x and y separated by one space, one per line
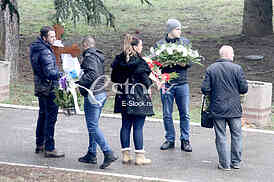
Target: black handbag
206 116
138 102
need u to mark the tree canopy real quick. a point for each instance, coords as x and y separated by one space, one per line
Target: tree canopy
91 10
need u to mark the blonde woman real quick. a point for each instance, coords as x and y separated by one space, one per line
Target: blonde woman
133 70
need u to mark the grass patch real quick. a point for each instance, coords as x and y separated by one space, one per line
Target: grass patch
208 17
22 94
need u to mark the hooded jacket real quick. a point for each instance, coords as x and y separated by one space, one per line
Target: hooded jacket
45 70
93 68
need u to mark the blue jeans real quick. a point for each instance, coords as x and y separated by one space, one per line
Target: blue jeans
138 123
47 118
92 115
179 93
235 126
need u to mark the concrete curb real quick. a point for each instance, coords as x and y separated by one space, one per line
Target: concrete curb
133 177
118 116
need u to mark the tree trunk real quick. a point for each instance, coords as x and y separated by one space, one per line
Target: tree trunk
9 36
257 18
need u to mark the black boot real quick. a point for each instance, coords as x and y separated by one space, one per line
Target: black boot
185 146
39 149
167 145
108 159
88 158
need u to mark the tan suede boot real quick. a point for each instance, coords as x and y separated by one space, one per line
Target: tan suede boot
140 158
126 157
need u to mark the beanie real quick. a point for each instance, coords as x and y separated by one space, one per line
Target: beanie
172 24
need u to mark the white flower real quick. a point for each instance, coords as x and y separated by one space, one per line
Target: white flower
185 52
152 51
173 46
163 47
180 48
158 52
196 54
169 50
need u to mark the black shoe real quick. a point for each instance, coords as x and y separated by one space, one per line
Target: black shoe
185 146
54 154
108 159
88 158
39 149
167 145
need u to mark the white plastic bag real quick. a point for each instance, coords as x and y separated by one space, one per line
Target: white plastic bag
71 65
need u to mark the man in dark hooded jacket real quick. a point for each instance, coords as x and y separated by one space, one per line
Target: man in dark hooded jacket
93 79
46 75
223 83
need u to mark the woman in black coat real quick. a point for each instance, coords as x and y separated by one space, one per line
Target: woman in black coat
130 69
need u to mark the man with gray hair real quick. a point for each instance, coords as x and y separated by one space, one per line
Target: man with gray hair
223 83
178 90
93 68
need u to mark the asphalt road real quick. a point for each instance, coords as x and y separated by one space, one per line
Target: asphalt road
17 144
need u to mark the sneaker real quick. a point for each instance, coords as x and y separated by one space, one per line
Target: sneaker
167 145
185 146
222 168
108 159
39 149
235 166
88 158
54 154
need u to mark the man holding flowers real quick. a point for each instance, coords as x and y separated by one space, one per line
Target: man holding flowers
175 89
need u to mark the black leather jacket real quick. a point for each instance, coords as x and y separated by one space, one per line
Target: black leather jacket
93 67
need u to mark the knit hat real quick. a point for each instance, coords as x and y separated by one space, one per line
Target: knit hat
172 24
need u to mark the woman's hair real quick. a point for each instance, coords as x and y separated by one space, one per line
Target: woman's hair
129 42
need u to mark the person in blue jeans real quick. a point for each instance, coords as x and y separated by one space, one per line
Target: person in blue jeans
93 79
178 90
46 76
223 83
134 69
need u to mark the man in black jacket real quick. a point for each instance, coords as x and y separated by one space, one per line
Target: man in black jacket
223 83
178 90
93 79
46 75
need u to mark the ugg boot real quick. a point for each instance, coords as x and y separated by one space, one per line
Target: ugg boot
126 157
140 158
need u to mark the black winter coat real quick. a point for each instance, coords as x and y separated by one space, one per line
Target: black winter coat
136 71
224 82
45 70
93 67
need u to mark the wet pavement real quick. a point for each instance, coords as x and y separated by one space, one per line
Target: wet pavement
17 144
